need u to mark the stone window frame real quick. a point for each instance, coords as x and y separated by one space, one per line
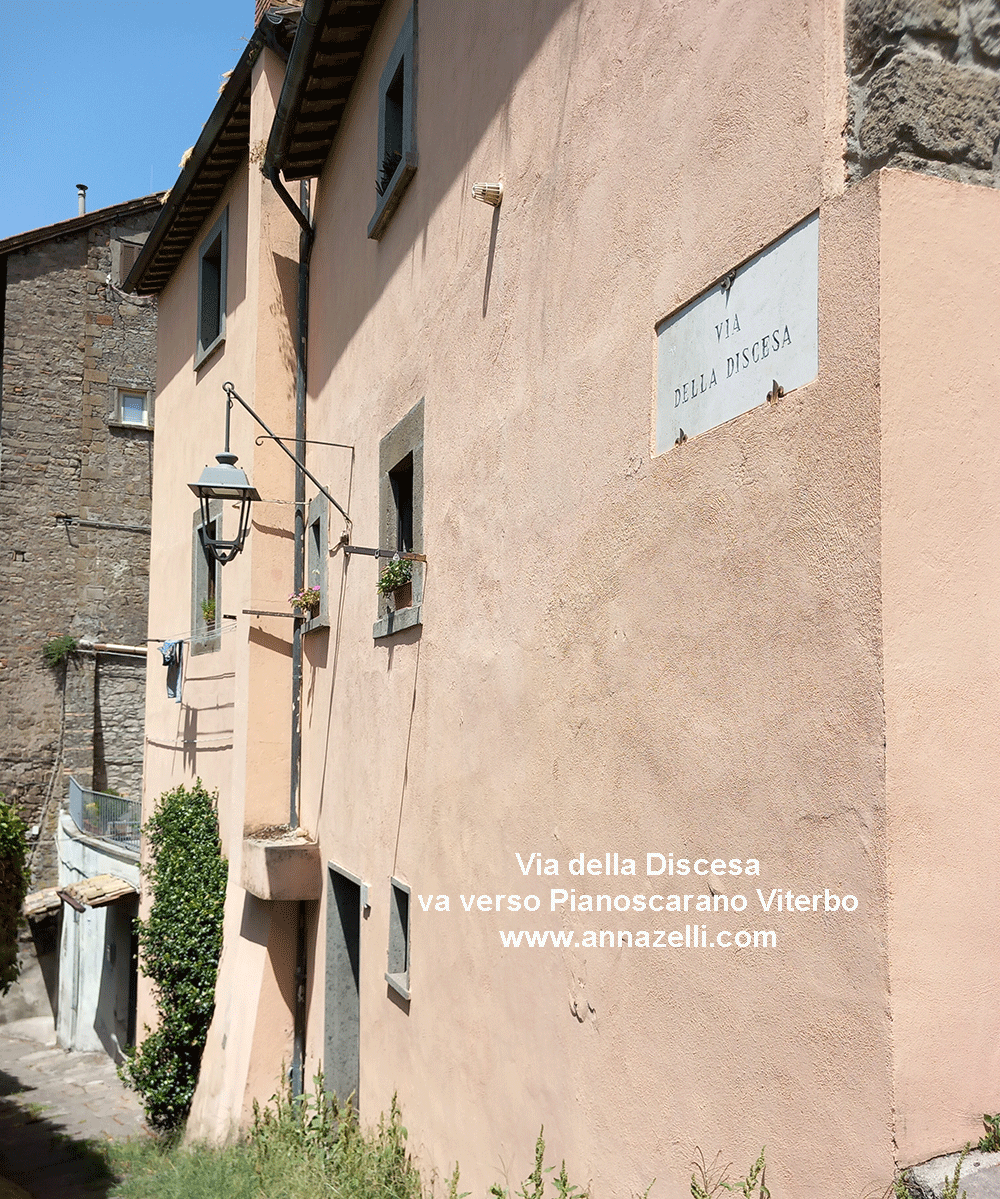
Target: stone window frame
212 312
317 537
397 125
117 418
397 974
205 569
405 439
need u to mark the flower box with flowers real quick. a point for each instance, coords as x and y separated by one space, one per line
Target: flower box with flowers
395 582
305 602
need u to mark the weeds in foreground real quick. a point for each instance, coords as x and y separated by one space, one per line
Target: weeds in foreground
990 1143
301 1147
533 1186
316 1134
305 1147
950 1190
709 1181
899 1188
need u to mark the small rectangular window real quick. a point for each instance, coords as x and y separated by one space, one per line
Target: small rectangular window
401 518
206 584
401 481
133 407
396 160
398 973
317 559
212 262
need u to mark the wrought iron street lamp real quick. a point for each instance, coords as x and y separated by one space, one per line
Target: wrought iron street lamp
224 482
227 482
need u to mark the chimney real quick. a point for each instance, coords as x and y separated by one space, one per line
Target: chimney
81 197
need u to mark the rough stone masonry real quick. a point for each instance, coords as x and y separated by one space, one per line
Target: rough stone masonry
924 88
75 486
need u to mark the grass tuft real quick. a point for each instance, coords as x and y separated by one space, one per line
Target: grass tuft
298 1148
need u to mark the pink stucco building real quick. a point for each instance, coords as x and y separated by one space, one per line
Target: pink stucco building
671 602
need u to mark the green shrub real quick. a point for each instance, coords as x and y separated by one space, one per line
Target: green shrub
179 949
59 650
13 888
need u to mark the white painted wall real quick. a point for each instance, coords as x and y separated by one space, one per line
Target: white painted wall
95 947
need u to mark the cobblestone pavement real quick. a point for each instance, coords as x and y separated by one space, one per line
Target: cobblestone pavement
51 1104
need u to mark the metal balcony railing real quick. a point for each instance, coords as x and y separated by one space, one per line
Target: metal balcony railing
111 818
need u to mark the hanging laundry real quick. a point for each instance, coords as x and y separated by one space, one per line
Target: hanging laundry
173 660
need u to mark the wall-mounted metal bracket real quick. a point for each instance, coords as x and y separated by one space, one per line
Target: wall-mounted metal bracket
373 553
262 437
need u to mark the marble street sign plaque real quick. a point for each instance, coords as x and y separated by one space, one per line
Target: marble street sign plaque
717 356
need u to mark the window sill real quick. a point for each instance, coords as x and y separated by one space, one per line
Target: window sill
203 355
396 622
205 643
122 424
400 983
315 623
388 202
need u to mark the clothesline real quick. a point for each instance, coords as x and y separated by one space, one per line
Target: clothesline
172 650
196 638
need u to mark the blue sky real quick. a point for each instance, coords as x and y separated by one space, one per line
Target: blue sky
109 93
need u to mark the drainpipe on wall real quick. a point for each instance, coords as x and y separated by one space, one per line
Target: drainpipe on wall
301 213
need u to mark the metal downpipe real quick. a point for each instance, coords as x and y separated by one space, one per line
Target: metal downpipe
301 213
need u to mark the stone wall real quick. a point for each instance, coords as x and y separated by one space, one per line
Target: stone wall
924 87
119 708
75 487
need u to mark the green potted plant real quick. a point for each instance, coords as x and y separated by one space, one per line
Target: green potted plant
305 601
396 582
208 612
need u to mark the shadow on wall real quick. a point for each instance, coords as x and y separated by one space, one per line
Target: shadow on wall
45 936
497 52
176 353
283 318
36 992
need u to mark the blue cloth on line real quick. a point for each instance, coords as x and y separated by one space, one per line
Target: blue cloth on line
173 660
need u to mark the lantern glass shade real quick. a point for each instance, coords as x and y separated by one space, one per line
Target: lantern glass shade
225 481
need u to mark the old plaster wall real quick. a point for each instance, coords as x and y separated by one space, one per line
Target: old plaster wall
924 87
233 727
618 652
940 580
70 340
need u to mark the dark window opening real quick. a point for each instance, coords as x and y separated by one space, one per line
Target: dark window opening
211 290
208 604
392 152
401 481
396 154
212 259
315 555
210 532
206 584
